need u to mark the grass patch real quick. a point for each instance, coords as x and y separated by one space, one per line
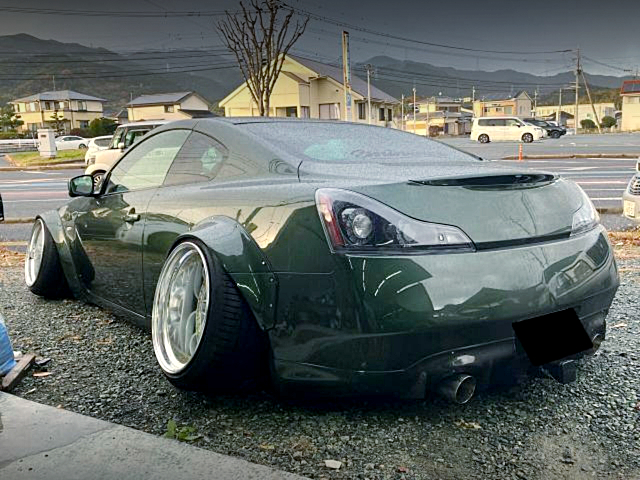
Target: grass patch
28 159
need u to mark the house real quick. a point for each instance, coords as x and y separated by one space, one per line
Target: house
630 93
168 106
567 112
66 108
518 105
439 114
310 89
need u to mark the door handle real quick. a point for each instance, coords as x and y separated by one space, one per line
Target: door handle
131 216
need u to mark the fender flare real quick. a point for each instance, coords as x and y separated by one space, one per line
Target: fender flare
54 224
243 260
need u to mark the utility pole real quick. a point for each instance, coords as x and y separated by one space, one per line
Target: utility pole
535 102
346 73
558 113
414 109
402 113
369 92
54 82
578 70
595 114
427 124
473 96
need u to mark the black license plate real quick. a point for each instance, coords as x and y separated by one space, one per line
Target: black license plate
552 337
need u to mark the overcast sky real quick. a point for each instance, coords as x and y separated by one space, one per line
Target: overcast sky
607 32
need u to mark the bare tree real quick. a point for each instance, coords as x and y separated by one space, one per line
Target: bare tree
259 37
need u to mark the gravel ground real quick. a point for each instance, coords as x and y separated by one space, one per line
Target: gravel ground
105 368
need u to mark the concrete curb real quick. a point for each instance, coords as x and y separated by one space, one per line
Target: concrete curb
573 155
14 220
60 166
610 210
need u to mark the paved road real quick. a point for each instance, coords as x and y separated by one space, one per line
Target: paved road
26 193
614 143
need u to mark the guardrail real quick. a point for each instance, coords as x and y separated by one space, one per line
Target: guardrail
18 145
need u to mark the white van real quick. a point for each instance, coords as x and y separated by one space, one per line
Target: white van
490 129
125 135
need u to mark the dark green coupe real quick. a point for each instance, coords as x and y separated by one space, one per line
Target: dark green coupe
332 257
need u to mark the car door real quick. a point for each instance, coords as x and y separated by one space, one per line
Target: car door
111 229
512 129
497 129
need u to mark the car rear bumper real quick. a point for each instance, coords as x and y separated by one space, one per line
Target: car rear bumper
631 206
392 324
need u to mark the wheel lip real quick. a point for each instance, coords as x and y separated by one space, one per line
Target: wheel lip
172 366
32 265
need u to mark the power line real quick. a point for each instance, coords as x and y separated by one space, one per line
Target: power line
358 28
111 13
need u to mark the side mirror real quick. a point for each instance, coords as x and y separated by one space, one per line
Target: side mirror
81 186
121 146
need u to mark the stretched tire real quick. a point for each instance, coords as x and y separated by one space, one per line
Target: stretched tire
527 138
204 335
484 138
42 270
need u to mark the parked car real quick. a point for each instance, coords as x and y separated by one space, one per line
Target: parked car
123 137
71 142
96 144
631 197
332 257
490 129
553 131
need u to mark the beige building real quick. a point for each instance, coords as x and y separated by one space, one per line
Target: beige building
440 115
630 94
168 106
72 109
549 112
310 89
518 105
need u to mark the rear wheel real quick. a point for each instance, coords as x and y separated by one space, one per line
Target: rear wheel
204 335
42 270
82 146
527 138
555 134
484 138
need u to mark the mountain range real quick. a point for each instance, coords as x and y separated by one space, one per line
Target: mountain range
30 65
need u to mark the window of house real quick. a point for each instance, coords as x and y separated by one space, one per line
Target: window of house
82 106
168 109
291 111
330 111
381 114
32 107
362 111
389 114
508 110
304 112
84 123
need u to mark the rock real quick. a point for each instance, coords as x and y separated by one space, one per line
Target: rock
333 464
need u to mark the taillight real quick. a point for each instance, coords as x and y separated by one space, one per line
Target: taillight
355 223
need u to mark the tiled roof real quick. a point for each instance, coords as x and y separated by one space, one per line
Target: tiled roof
630 86
357 84
59 95
159 98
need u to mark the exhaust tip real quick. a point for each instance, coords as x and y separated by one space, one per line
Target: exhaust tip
458 388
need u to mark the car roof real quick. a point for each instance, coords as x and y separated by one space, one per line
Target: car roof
144 123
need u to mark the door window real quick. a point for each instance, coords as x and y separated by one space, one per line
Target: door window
199 160
146 165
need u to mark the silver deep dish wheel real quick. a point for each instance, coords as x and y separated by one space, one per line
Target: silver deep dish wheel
35 252
180 307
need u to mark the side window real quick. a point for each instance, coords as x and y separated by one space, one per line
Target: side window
199 160
146 165
133 136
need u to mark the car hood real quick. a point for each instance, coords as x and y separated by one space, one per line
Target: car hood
492 204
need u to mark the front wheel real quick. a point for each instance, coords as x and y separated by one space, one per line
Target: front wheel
555 134
527 138
484 138
204 335
42 270
98 175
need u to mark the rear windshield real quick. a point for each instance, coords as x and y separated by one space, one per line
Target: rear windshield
348 143
102 142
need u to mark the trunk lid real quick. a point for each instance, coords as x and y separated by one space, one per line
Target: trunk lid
495 206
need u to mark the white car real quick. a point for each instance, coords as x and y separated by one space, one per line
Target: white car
71 142
124 136
491 129
95 145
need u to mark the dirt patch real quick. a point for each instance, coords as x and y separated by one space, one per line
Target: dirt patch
10 258
626 244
